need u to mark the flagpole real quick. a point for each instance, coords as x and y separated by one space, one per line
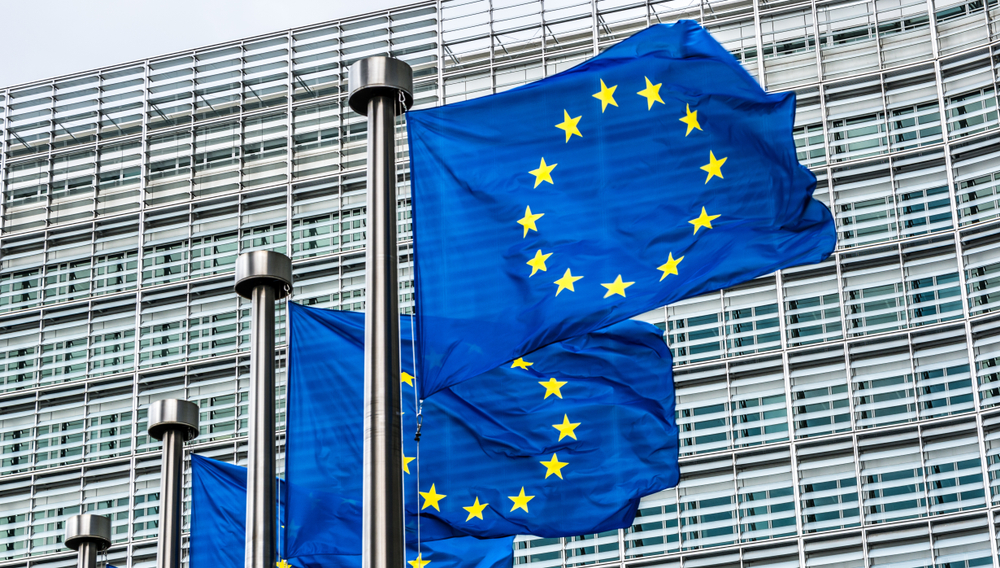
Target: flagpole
262 277
87 535
381 88
175 422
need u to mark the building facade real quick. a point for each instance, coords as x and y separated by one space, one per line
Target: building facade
837 415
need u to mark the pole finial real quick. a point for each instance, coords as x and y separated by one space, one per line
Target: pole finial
171 414
378 75
263 267
88 528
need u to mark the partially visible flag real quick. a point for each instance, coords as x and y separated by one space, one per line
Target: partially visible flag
656 171
563 442
218 530
218 514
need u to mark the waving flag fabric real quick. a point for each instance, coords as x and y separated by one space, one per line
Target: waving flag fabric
218 529
656 171
563 442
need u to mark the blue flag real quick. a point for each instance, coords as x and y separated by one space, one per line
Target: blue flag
565 442
218 529
656 171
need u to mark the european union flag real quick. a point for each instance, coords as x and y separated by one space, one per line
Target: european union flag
218 529
654 172
563 442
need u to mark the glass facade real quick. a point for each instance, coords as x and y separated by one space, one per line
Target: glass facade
845 414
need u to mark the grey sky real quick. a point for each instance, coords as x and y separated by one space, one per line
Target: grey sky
46 38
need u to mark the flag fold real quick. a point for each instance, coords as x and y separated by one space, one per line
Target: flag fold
218 530
563 442
656 171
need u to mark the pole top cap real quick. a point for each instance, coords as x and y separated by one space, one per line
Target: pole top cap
263 268
173 414
88 528
378 75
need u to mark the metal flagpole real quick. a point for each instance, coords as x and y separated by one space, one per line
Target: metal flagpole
88 535
262 277
377 87
175 422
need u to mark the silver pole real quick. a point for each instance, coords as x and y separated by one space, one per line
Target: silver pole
380 88
173 421
86 555
262 277
87 535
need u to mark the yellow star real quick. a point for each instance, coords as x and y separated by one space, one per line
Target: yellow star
703 220
283 564
552 386
566 282
406 378
528 221
565 429
554 466
543 173
521 363
406 463
617 287
520 501
691 120
538 263
475 510
431 498
652 93
671 265
714 167
606 96
419 562
569 125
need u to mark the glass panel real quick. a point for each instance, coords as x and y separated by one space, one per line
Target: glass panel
764 488
819 392
944 384
912 550
656 527
970 97
883 383
847 38
808 130
752 324
986 350
702 400
707 499
694 332
954 471
962 543
828 486
873 291
812 304
904 31
933 290
846 552
991 437
960 24
892 477
760 415
976 168
789 49
864 204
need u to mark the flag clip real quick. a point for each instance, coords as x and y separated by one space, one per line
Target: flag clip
420 422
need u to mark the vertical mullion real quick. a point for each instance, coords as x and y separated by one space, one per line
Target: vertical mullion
4 146
593 25
290 144
439 11
136 338
759 42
